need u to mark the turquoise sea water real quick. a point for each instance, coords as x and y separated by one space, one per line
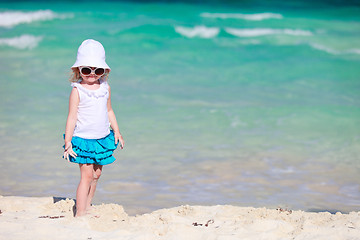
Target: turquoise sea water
252 103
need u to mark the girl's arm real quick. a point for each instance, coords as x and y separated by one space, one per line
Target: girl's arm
113 122
71 122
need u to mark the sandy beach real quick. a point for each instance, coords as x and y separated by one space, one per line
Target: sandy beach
51 218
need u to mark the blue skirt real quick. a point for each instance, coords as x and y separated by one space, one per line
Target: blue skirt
94 151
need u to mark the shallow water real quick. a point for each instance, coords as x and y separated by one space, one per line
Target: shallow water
252 104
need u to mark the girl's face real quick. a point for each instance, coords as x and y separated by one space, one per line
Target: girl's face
92 77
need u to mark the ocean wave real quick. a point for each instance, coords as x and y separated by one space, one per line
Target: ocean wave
198 31
23 42
354 50
333 51
12 18
250 17
255 32
323 48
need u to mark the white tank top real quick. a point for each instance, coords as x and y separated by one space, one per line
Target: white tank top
92 116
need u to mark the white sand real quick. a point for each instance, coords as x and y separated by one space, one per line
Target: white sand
41 218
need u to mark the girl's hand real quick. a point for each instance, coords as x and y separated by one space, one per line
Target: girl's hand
69 151
119 138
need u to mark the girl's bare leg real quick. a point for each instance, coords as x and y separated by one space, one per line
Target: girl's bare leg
82 193
97 169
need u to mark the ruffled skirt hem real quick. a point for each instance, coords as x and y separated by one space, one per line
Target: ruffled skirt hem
94 151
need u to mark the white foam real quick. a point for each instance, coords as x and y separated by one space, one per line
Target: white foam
23 42
250 17
250 42
198 31
12 18
333 51
323 48
255 32
353 50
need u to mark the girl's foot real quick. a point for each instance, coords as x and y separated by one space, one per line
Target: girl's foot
90 208
80 214
91 211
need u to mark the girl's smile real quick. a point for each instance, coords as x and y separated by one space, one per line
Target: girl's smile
91 78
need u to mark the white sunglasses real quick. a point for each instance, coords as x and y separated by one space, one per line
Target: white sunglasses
86 71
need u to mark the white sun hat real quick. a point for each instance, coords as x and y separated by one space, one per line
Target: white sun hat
91 53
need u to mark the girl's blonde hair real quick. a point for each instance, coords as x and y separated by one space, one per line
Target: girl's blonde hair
75 75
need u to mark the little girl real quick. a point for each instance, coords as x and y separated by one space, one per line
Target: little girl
88 138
